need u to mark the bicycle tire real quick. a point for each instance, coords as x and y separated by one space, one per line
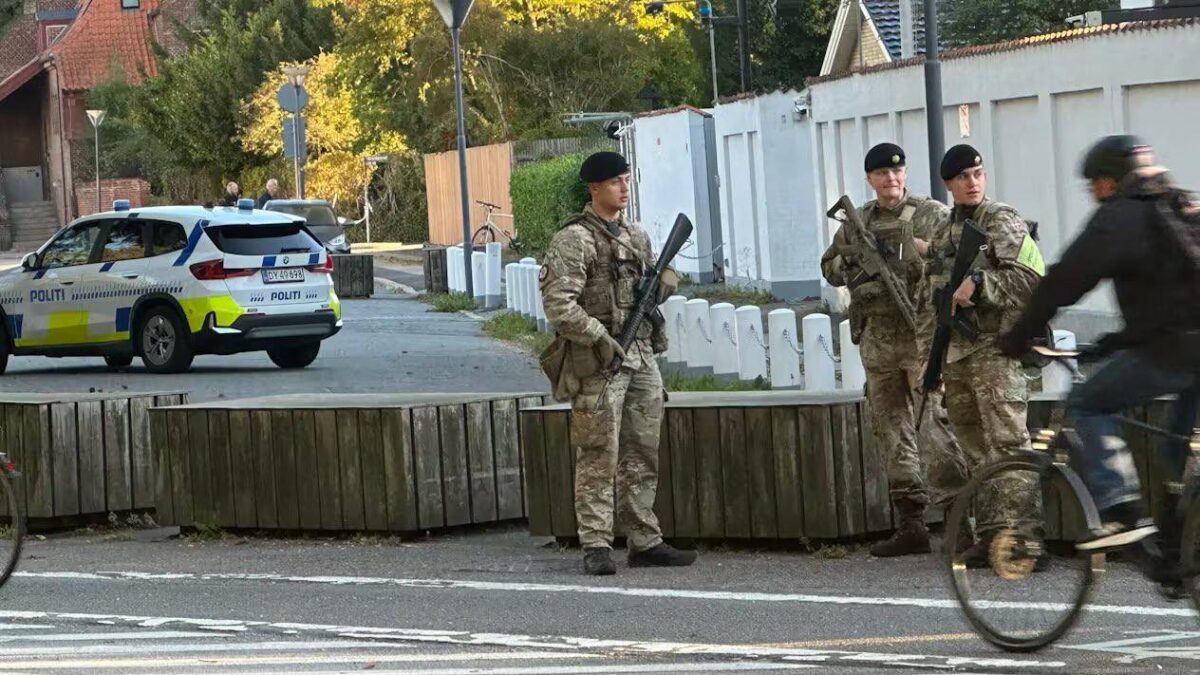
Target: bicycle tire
16 527
1068 486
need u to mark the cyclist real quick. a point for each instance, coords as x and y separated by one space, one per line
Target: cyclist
1145 237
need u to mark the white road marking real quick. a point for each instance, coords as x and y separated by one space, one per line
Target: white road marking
583 670
102 637
565 644
673 593
209 662
133 650
1139 649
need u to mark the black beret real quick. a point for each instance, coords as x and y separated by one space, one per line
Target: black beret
958 159
883 156
601 166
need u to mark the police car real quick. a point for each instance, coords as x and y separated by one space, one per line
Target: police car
168 283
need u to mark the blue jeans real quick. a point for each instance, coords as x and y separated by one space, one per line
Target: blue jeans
1127 381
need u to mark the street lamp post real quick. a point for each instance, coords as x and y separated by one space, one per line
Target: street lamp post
710 22
296 76
935 125
454 14
97 118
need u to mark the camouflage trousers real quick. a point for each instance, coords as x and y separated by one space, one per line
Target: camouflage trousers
925 467
615 433
987 399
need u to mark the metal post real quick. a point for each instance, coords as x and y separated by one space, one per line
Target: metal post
367 203
933 103
99 203
744 42
712 50
462 161
296 153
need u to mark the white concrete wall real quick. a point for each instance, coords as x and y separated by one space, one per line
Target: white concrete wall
1033 113
768 221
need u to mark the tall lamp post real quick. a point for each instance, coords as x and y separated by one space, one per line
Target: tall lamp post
97 118
454 13
296 76
710 22
935 124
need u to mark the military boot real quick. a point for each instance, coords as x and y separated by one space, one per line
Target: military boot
598 561
911 537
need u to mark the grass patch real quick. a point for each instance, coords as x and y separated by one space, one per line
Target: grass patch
734 295
515 328
679 382
448 302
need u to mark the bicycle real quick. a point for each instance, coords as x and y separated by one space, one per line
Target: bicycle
12 519
1036 559
489 230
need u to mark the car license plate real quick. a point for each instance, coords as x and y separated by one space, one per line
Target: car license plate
283 275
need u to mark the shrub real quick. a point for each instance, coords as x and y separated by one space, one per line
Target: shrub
543 193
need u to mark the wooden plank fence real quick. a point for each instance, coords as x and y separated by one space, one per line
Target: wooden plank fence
766 465
354 275
81 455
489 168
396 463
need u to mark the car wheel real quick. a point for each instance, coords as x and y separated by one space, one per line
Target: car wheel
297 356
162 341
118 361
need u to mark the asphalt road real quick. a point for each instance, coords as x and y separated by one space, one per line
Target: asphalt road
390 343
499 602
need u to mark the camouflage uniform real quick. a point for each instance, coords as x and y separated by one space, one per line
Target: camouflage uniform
588 284
986 392
894 365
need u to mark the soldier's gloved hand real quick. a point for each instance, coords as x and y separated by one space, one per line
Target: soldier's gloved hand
608 348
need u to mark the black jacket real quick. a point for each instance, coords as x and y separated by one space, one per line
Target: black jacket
263 199
1156 282
230 199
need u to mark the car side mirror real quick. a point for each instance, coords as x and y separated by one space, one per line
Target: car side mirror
29 262
343 221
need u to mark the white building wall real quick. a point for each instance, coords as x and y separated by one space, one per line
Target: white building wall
1033 112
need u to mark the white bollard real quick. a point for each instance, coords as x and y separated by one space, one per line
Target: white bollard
819 366
673 312
491 273
700 342
532 293
854 377
724 336
752 347
479 277
510 286
785 349
1055 376
452 255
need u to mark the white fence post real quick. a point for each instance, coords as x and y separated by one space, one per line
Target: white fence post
752 348
453 253
511 288
673 312
854 377
479 277
785 356
529 273
724 335
819 368
492 272
1055 376
700 348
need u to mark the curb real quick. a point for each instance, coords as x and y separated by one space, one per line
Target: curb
396 286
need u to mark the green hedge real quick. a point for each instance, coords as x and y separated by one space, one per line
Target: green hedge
543 193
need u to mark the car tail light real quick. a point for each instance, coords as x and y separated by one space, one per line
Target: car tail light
214 270
326 267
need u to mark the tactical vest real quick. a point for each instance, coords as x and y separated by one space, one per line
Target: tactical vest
610 292
871 296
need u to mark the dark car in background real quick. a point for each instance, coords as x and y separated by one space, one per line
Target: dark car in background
320 218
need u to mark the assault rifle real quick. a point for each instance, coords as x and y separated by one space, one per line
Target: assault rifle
970 245
872 260
646 299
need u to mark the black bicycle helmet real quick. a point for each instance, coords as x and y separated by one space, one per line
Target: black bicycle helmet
1114 157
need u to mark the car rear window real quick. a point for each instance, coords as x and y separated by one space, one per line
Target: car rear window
263 239
317 215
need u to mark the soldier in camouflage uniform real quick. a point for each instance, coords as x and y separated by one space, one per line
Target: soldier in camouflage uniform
902 223
588 284
986 392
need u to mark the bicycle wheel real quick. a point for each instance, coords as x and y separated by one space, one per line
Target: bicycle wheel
12 527
1028 588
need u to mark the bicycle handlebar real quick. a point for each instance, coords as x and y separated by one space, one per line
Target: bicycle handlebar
487 205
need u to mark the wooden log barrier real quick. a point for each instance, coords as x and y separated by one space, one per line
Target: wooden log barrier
354 275
371 462
767 465
80 455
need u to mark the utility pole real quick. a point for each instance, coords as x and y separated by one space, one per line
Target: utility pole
743 19
934 121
